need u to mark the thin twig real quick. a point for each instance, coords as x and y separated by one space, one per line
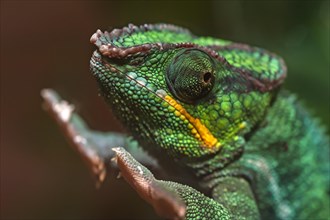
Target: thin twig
76 132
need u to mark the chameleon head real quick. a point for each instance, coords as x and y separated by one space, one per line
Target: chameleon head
188 95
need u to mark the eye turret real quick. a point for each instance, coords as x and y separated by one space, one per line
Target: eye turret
191 75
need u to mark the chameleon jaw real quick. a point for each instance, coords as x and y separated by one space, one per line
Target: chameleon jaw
198 129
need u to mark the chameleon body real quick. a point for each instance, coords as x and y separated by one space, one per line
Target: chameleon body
215 109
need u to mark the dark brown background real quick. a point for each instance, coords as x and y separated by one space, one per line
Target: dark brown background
46 44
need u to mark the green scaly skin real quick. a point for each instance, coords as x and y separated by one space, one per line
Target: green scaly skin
216 108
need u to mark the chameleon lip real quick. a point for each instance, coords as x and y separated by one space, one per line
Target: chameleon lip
202 133
97 57
115 52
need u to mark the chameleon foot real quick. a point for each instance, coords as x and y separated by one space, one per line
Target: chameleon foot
165 201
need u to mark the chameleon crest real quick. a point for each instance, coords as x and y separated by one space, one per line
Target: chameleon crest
189 95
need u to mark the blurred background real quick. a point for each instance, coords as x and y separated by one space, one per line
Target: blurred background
46 44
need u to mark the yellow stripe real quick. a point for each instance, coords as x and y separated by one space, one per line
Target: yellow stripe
199 130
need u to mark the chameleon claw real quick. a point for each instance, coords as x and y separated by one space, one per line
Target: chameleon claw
114 160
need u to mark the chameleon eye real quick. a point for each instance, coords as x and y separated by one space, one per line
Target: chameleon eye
191 75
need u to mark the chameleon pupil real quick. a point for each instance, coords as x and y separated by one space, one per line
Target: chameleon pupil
191 76
207 77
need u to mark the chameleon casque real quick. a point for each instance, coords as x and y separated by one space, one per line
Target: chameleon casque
212 113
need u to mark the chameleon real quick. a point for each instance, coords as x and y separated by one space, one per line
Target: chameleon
210 113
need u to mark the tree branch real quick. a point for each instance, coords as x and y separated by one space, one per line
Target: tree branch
76 132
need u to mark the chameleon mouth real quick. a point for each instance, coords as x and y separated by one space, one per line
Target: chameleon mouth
97 58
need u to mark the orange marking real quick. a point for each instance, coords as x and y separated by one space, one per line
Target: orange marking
199 130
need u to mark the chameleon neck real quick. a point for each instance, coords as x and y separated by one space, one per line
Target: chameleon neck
213 163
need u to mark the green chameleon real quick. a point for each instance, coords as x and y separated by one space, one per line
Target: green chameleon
210 113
